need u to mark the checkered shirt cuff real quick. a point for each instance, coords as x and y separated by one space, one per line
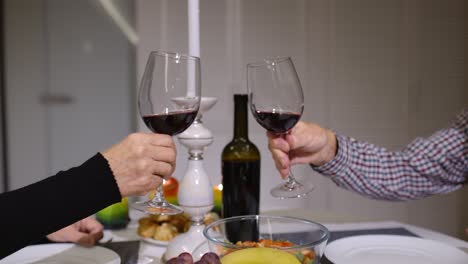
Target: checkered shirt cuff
336 166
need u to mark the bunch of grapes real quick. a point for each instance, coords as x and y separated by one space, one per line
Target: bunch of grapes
186 258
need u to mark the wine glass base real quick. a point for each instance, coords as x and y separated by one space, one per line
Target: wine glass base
157 208
296 190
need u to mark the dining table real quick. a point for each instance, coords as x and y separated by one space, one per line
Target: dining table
339 226
132 249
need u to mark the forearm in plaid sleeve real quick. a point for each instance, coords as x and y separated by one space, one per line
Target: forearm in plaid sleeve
438 164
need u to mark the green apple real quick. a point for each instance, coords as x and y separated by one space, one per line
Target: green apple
259 256
114 216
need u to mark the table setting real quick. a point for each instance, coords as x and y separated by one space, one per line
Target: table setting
389 239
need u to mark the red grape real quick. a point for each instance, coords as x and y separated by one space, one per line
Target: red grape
186 258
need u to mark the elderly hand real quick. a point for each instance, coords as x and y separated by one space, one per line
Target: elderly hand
85 232
305 143
141 161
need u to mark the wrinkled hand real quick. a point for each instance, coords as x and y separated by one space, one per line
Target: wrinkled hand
85 232
141 161
305 143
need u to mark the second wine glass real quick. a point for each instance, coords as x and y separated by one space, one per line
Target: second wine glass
168 102
276 101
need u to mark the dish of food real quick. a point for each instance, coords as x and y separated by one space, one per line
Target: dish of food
390 249
269 251
277 239
160 229
261 256
305 256
154 241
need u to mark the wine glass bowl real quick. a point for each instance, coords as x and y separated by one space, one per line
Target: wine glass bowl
168 80
276 101
275 94
168 103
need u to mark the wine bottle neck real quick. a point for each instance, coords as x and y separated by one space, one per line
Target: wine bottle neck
241 129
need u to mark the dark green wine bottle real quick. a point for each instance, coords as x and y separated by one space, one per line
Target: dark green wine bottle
241 176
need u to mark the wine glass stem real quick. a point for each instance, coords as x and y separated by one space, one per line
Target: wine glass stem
159 195
290 181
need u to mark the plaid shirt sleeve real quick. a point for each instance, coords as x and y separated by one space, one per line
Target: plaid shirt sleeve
434 165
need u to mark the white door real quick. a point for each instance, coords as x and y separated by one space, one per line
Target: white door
70 84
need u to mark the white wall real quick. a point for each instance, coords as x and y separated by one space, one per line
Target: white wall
71 48
24 54
437 89
381 71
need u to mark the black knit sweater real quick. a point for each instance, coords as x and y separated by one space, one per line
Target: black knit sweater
32 212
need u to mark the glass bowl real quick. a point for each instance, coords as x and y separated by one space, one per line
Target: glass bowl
308 238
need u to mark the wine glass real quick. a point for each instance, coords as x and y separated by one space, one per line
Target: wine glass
276 101
168 102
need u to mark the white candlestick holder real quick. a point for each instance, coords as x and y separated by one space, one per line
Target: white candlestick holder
195 195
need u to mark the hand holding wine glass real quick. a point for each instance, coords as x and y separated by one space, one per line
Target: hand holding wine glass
306 143
141 161
276 101
168 102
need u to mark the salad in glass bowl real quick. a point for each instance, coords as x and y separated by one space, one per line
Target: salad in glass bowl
267 239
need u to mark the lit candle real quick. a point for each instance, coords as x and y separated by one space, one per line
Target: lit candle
194 40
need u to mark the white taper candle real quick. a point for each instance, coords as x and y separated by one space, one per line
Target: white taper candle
194 40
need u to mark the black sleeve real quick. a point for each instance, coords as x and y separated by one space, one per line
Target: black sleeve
34 211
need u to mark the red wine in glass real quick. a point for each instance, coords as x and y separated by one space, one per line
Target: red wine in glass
171 123
277 122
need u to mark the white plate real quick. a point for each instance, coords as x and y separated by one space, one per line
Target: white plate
58 253
154 241
391 249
